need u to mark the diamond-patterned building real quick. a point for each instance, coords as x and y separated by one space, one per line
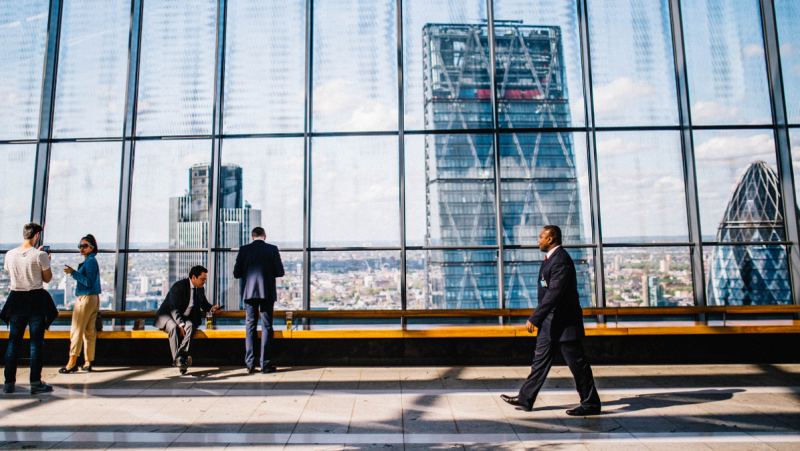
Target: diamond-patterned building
753 274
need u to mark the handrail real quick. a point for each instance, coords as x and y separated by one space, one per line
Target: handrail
479 313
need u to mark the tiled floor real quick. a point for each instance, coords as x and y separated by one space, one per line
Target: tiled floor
703 407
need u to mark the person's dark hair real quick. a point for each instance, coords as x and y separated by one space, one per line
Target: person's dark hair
259 232
555 232
197 271
92 241
30 230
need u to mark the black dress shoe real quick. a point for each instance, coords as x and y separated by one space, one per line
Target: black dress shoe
584 411
251 370
268 369
514 401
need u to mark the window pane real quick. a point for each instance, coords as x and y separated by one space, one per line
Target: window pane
151 275
290 286
738 186
521 269
262 180
545 181
23 35
62 287
450 190
445 73
355 280
5 281
83 194
18 163
747 275
169 200
355 192
633 68
92 63
355 66
264 66
787 14
547 39
648 277
451 279
725 60
176 74
642 194
794 139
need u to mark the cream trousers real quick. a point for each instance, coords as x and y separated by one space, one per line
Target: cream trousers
83 331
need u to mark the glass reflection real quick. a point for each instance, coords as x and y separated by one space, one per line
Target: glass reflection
83 194
521 270
23 35
355 66
794 140
176 75
169 199
290 286
150 276
264 176
355 193
738 186
787 15
545 181
539 78
648 277
16 187
451 279
355 280
642 193
725 61
633 70
62 287
264 84
747 275
92 63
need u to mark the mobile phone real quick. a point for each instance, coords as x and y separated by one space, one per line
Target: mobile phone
46 249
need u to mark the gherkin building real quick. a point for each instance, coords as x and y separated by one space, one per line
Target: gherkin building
751 274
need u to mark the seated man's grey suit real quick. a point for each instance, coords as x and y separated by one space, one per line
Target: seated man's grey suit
171 316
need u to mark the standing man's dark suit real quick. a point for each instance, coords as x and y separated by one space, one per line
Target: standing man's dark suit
172 315
258 264
560 322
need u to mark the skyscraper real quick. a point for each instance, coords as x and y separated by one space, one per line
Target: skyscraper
752 274
188 227
538 174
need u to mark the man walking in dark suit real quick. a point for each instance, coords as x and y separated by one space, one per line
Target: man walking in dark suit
560 322
179 315
258 264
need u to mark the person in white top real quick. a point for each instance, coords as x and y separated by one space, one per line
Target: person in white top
28 306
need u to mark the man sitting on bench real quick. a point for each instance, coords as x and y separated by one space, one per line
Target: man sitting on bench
179 315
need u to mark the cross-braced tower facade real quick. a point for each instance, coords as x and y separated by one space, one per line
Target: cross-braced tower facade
538 174
754 274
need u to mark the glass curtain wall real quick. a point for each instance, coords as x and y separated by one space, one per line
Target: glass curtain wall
406 153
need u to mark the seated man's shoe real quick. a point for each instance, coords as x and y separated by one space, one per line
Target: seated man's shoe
514 401
184 364
268 369
584 411
40 387
9 388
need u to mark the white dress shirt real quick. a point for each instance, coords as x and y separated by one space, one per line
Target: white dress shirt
551 252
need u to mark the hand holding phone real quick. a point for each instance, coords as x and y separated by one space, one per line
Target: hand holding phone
45 249
68 269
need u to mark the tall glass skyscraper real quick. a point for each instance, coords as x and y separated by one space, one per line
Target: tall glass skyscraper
754 274
538 174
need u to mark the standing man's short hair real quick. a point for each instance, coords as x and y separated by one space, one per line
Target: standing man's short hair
259 232
197 271
555 232
30 230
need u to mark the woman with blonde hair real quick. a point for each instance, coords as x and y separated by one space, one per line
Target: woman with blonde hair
83 331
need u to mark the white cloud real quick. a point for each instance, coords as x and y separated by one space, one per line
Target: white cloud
705 112
726 147
618 146
60 168
339 97
796 70
620 93
753 50
788 50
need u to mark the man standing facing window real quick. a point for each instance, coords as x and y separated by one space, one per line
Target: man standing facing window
258 264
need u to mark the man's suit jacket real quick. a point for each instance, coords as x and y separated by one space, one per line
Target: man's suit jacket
558 316
176 302
258 264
